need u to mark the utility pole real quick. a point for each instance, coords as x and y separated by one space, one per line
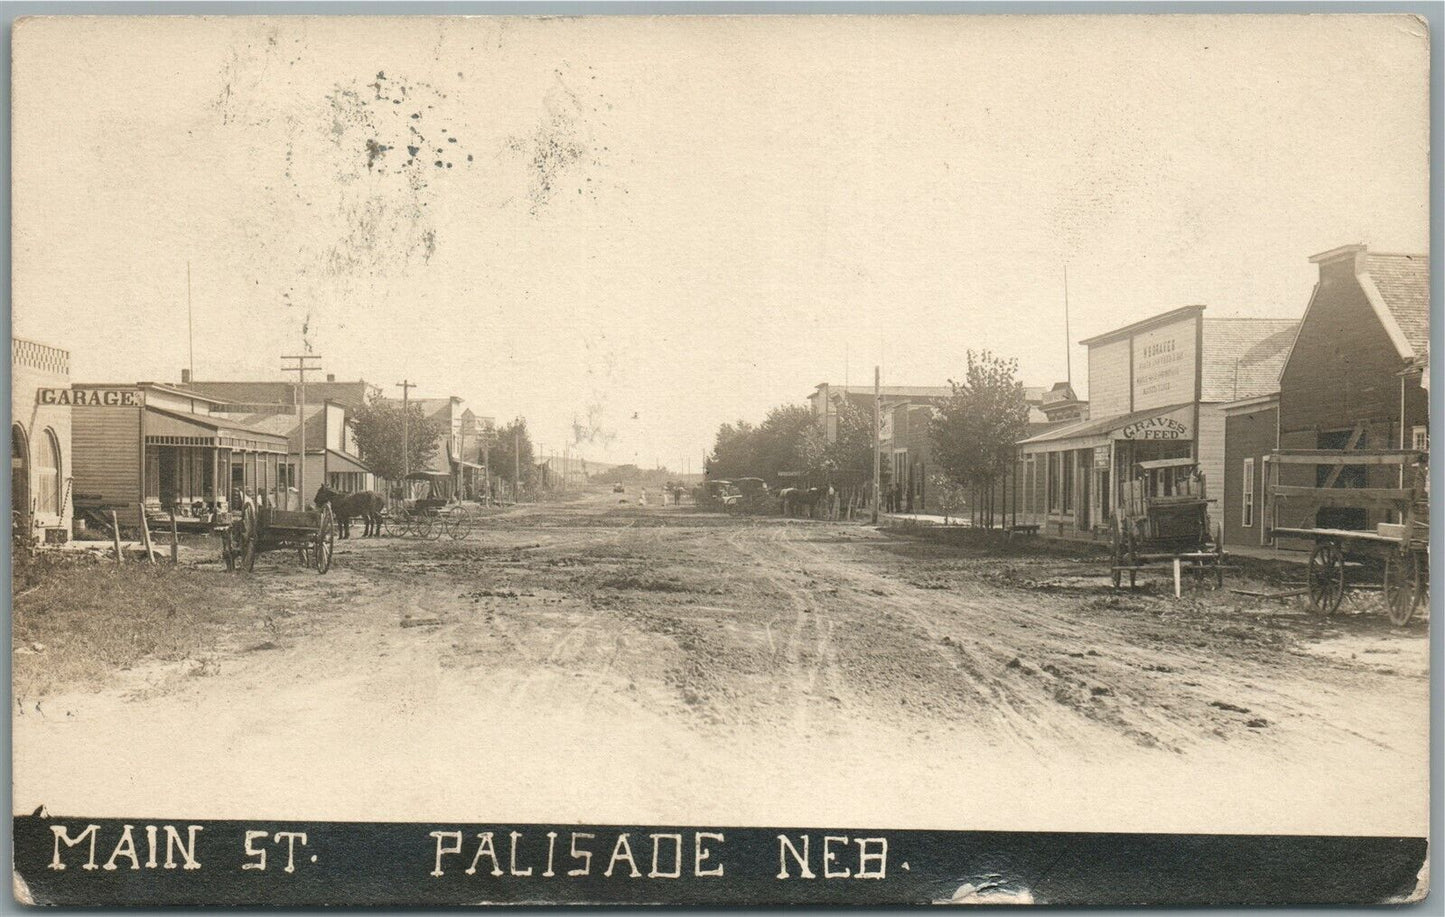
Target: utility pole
516 464
406 385
190 325
300 369
1068 353
877 438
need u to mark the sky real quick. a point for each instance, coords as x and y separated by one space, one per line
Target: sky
631 230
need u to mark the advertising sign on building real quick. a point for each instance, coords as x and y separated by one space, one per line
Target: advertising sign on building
1165 364
1174 425
89 397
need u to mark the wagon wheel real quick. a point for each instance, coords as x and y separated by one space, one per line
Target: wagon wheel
461 527
1402 586
1326 578
422 526
435 526
389 525
325 541
247 538
228 550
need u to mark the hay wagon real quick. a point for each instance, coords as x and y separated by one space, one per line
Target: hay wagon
1398 552
258 529
1163 521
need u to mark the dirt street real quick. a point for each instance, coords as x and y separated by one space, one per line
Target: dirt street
606 662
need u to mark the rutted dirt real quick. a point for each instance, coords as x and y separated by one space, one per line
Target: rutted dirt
597 661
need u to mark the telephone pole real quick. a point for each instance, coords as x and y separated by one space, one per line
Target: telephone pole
300 369
406 385
516 464
877 438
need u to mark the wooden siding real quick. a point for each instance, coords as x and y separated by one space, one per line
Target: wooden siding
1343 366
1247 435
106 447
1209 450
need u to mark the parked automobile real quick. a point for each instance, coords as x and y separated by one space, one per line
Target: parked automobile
716 494
753 496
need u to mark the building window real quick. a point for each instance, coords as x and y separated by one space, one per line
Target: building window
47 476
1247 480
1420 439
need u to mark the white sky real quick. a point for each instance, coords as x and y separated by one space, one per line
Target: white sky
667 223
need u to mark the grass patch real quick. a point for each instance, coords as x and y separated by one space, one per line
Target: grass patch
75 623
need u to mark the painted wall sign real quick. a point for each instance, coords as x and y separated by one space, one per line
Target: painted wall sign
1164 365
1163 426
1101 458
89 397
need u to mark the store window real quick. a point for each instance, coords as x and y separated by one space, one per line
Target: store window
1246 518
1420 439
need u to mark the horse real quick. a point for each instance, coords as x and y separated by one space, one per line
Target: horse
797 500
367 504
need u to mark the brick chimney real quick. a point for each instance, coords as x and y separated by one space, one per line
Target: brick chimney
185 377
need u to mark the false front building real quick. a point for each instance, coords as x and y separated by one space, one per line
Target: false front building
1157 390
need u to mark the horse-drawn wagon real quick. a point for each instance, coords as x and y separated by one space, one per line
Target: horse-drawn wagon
1163 520
257 529
427 509
1396 551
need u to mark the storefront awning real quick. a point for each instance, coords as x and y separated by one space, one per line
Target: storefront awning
164 427
1172 423
340 462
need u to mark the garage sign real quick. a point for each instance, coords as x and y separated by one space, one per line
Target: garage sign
89 397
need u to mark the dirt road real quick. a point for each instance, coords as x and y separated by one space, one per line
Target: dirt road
606 662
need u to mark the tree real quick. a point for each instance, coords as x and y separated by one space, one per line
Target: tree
976 429
380 432
512 449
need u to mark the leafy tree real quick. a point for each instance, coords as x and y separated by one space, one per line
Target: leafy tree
849 458
734 453
381 431
975 430
512 448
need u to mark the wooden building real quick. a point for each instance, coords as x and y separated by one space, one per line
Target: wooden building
1356 377
170 448
1251 433
40 440
1157 390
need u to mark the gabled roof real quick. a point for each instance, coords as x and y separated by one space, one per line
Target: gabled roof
1403 282
1243 357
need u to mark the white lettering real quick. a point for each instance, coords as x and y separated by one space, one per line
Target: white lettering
676 859
62 836
619 854
785 847
440 836
701 853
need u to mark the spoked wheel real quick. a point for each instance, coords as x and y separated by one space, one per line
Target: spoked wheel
422 526
391 525
460 528
325 544
1402 587
1326 578
435 526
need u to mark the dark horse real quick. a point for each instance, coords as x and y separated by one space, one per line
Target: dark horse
367 504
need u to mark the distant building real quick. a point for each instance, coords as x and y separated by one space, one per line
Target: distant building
1157 389
41 474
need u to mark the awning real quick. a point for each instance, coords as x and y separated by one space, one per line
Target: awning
1175 422
178 428
340 462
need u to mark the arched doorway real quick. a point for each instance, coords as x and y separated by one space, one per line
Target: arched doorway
19 472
